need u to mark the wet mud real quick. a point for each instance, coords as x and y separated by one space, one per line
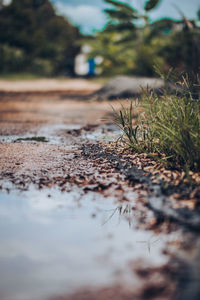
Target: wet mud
79 220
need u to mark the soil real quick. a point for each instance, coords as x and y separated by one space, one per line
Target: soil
55 140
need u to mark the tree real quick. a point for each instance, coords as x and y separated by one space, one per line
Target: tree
139 46
48 41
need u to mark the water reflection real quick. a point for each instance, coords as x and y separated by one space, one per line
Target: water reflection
53 242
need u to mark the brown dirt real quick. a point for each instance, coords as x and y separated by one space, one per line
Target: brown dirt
26 109
21 115
26 113
48 85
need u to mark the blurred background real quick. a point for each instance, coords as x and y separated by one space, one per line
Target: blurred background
50 38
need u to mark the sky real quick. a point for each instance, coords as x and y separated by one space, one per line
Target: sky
89 14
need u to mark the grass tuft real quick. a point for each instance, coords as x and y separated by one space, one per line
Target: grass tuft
169 126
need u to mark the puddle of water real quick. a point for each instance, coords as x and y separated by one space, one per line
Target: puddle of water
103 132
53 242
52 132
108 133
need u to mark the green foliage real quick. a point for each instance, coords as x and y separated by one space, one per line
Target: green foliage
121 5
119 14
42 67
132 47
122 13
168 126
124 121
198 14
48 42
11 58
151 4
117 57
182 51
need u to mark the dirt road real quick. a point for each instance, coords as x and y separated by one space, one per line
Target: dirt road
73 226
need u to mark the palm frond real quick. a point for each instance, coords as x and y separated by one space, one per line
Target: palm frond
151 4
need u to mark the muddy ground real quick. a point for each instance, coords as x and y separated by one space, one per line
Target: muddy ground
79 219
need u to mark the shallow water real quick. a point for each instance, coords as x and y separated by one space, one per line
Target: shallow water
58 134
54 242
